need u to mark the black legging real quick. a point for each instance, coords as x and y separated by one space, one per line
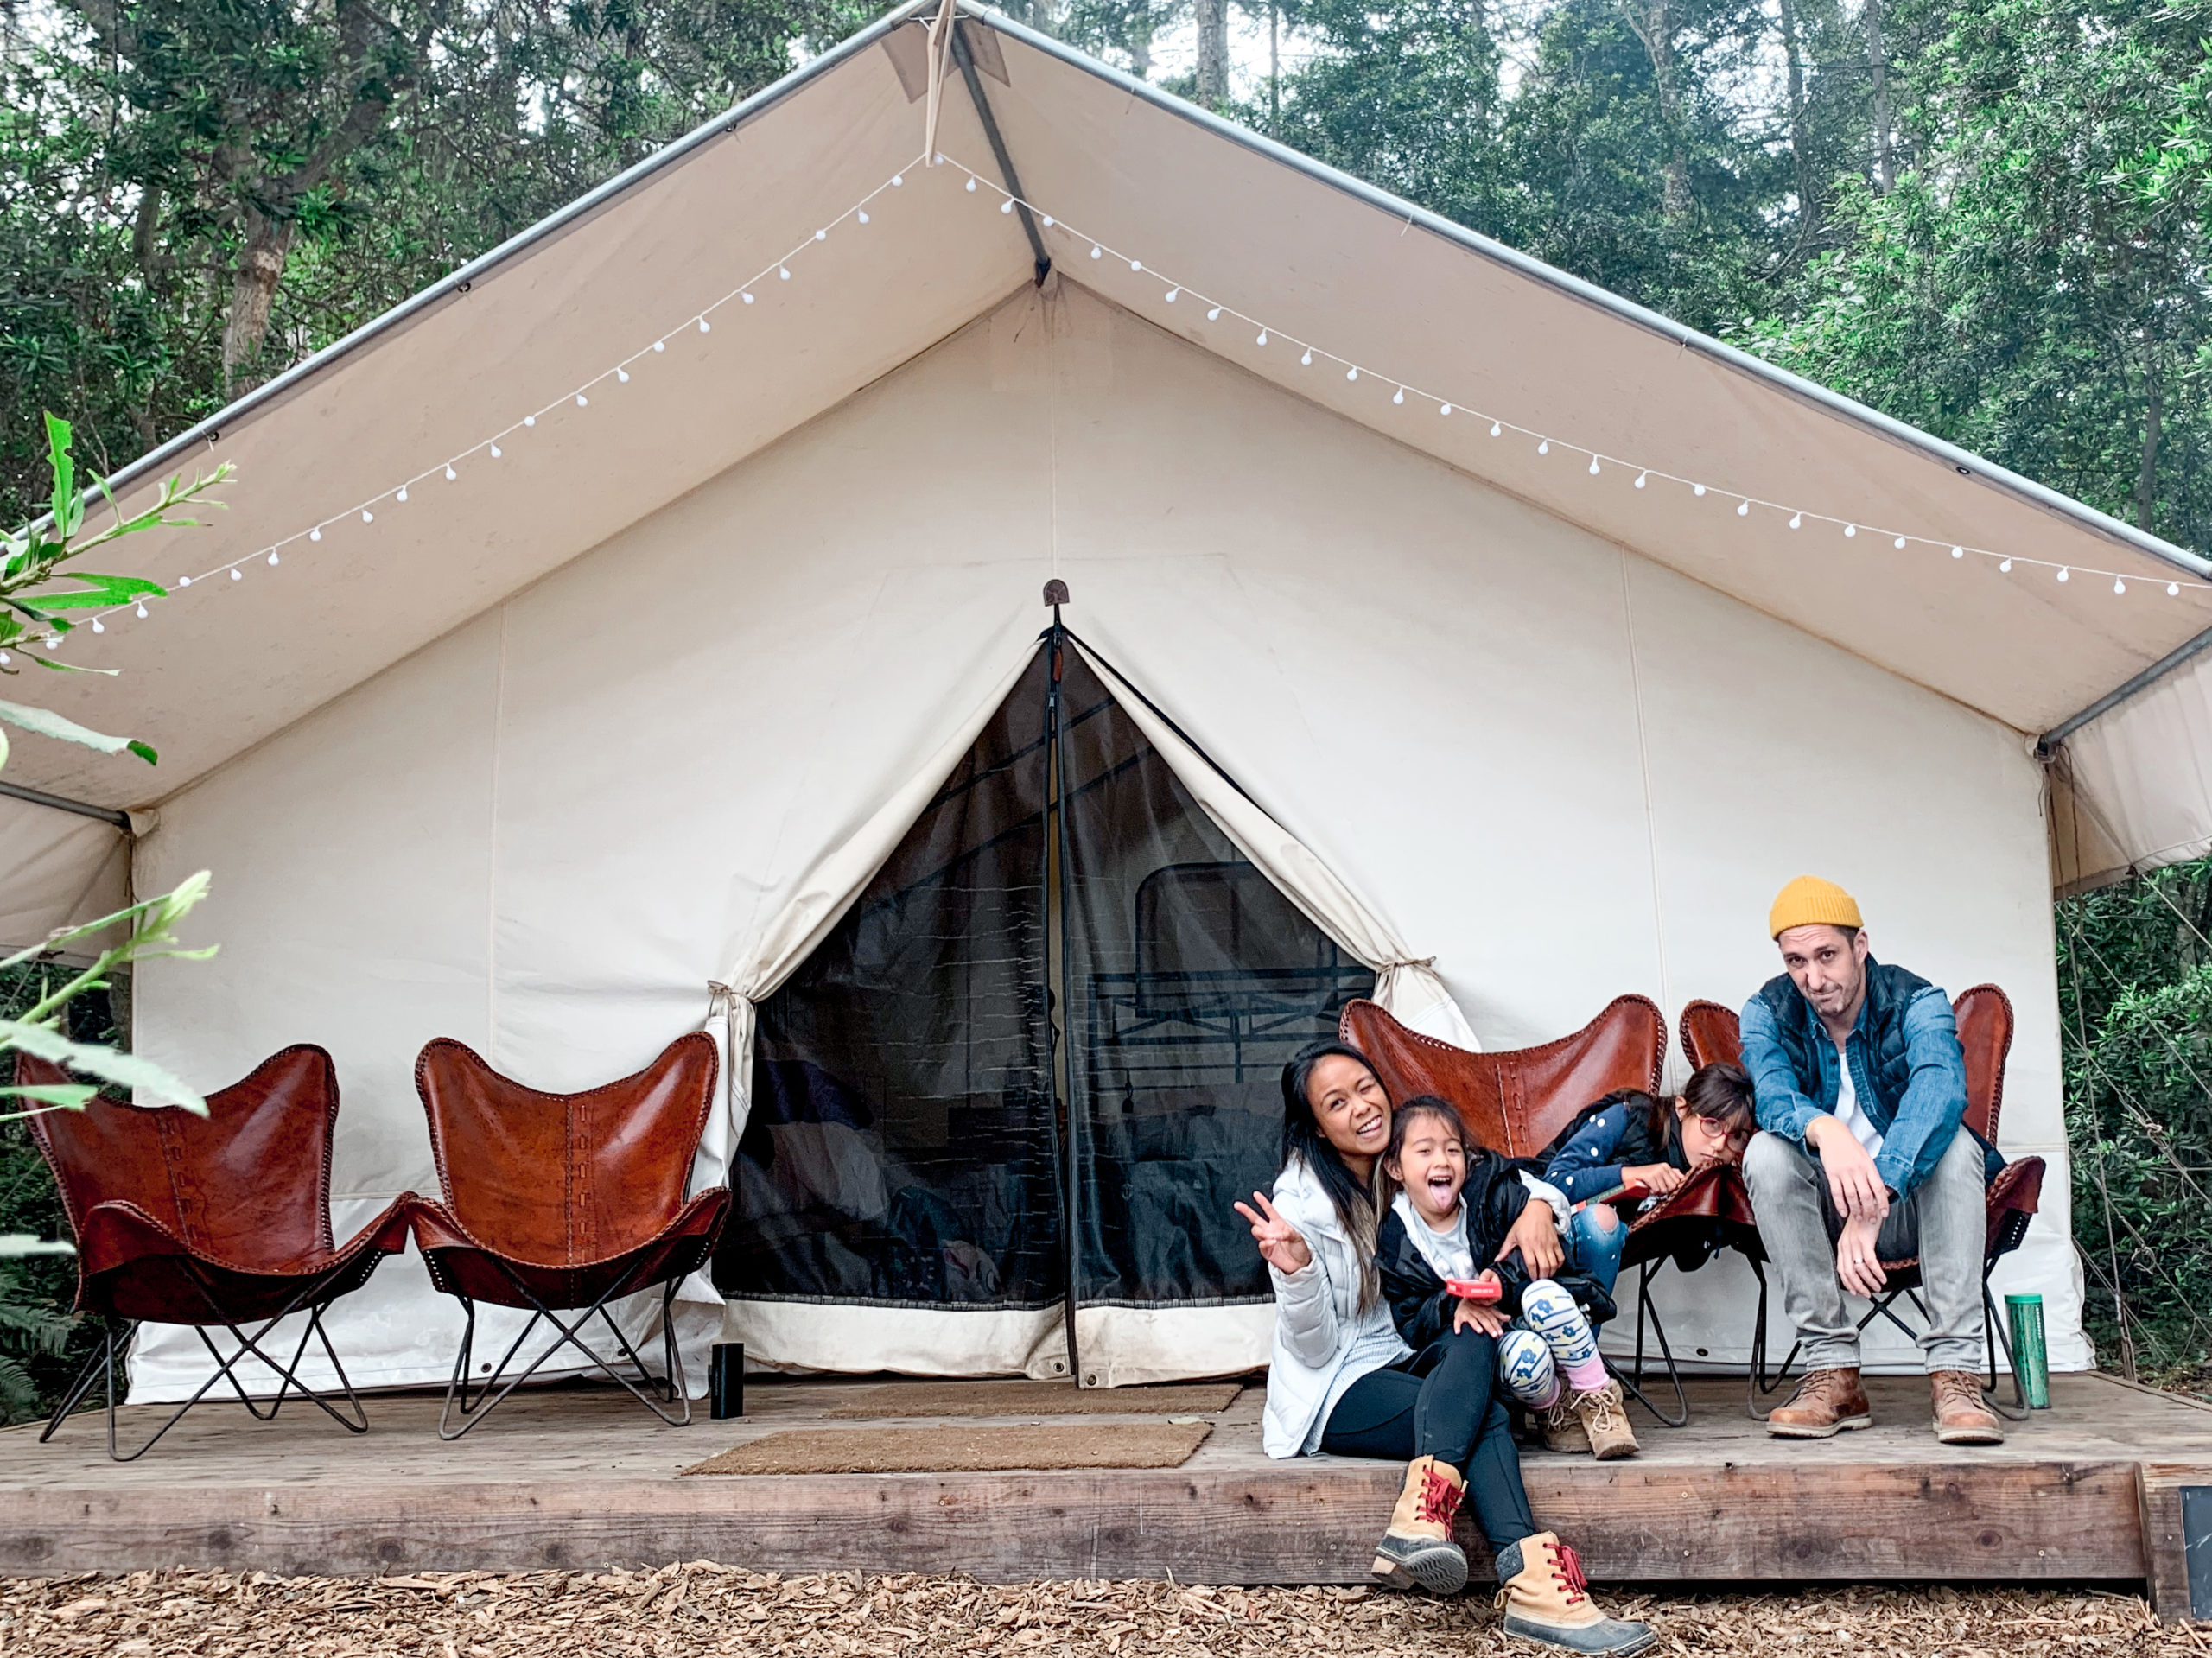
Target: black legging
1441 1402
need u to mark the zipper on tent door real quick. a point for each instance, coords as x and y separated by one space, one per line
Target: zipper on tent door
1056 974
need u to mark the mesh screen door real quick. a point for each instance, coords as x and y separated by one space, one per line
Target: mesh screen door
1037 1061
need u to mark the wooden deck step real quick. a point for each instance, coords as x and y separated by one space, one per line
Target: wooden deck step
574 1479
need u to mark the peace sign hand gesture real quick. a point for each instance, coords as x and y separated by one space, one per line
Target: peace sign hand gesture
1281 1245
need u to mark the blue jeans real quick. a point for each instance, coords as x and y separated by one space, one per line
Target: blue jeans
1594 1242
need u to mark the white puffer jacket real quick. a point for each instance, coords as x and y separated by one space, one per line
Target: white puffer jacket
1323 1343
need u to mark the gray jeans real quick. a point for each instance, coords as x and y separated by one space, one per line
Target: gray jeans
1944 1223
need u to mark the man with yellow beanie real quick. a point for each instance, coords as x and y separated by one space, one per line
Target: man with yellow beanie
1863 1157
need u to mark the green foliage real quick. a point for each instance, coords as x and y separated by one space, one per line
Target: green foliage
42 1345
2135 992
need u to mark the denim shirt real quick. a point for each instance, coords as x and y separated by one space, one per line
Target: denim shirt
1915 1139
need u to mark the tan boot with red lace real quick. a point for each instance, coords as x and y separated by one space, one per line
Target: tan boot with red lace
1417 1551
1546 1599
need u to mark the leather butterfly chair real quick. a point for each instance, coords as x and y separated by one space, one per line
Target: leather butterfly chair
1516 1101
1984 1015
214 1221
563 1204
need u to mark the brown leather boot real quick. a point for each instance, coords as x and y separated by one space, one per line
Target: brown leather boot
1604 1417
1418 1551
1962 1416
1826 1403
1563 1429
1546 1599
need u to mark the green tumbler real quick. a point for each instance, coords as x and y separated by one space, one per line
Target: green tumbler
2030 1363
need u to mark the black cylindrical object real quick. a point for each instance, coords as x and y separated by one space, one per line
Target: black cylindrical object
726 1381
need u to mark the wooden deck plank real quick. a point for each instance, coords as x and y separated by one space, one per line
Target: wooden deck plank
578 1479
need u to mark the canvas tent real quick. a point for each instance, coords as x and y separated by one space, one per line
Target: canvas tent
683 687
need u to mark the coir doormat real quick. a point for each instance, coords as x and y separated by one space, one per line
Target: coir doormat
959 1449
1034 1399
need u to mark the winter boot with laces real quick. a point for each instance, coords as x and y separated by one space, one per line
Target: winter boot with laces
1545 1598
1604 1417
1417 1551
1562 1429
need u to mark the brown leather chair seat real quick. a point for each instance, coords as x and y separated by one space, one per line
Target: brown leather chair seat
564 1203
221 1221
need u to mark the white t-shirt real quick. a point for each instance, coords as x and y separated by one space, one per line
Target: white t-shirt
1448 1254
1847 1112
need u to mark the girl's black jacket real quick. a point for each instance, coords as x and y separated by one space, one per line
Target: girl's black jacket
1419 1305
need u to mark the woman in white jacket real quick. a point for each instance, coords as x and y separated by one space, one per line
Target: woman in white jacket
1340 1380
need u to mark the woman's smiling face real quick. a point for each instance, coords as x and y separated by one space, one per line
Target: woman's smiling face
1349 1106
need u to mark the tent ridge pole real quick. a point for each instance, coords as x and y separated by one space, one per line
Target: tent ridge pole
1012 180
2112 699
63 804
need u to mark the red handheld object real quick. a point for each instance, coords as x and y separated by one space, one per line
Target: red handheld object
1484 1290
1627 1191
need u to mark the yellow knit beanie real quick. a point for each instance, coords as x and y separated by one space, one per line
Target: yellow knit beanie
1809 901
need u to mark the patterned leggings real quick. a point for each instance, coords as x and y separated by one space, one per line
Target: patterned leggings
1551 1337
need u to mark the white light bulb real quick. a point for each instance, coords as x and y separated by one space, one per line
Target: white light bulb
823 235
273 559
1264 336
1214 315
1697 489
315 534
897 179
2119 586
1047 221
747 297
1494 429
863 215
97 625
142 613
2005 567
531 420
1097 252
1306 361
2173 589
784 272
1352 374
367 516
1007 206
1849 529
1899 543
1594 465
705 326
660 345
1171 293
184 581
1796 520
622 376
1136 264
1958 552
237 575
971 187
1743 509
1640 479
451 474
2064 574
403 493
1400 396
583 402
1545 446
495 452
1446 410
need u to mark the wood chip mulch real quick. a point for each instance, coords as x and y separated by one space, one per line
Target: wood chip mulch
701 1608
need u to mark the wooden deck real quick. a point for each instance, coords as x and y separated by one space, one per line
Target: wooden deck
574 1479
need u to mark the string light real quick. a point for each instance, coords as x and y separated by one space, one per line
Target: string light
743 292
1497 425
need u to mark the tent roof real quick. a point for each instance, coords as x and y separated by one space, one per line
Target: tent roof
1318 256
